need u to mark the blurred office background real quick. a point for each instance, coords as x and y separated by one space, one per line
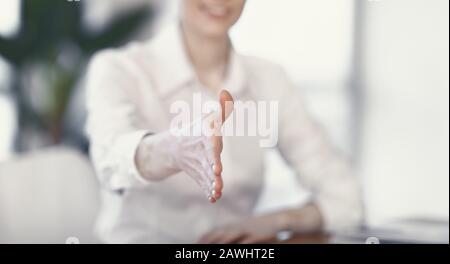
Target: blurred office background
374 72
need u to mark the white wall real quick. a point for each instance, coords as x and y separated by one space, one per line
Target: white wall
405 160
9 23
9 17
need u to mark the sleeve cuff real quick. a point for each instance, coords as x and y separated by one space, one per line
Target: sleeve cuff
130 176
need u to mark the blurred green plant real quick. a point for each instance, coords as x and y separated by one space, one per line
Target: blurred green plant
50 31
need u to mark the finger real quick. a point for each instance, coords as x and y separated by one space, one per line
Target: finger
215 188
213 148
218 185
212 193
218 195
217 150
226 104
213 155
211 123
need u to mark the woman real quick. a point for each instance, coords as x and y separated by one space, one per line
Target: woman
151 176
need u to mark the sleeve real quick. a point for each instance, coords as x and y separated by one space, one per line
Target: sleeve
112 123
319 167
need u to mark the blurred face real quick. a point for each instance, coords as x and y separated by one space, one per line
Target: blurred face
212 18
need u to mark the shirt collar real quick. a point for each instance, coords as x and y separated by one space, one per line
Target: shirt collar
175 70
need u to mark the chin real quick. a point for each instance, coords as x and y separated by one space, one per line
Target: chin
215 31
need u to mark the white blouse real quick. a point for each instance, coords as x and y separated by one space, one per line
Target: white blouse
129 93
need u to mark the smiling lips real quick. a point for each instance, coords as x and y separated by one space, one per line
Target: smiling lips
214 10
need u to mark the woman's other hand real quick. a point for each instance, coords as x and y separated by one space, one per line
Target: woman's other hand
265 228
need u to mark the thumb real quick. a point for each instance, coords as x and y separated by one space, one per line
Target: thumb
213 121
226 104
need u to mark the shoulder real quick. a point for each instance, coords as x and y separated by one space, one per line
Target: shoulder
121 58
114 70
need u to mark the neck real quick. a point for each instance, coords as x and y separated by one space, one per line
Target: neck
208 55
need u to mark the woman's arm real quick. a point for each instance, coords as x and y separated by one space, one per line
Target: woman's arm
126 155
320 168
114 126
